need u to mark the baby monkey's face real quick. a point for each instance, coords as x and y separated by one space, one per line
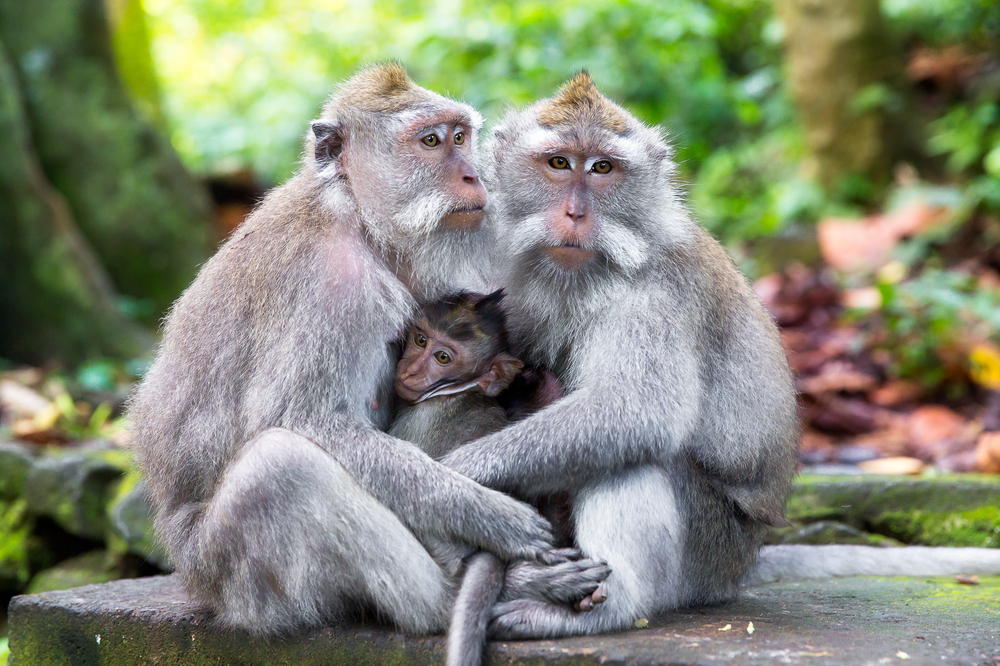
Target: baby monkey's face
434 364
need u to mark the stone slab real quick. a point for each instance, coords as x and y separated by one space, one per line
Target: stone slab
846 621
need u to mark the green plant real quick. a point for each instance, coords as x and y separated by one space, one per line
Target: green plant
925 325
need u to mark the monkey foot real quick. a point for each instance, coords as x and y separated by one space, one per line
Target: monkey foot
598 596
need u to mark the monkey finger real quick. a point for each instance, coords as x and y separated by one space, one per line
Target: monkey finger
600 595
584 605
560 555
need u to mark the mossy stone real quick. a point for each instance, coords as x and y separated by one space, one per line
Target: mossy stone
75 488
98 566
944 511
15 461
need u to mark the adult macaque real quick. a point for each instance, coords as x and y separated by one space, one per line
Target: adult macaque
280 502
454 364
677 437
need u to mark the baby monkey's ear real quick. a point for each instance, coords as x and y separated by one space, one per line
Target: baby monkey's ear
501 373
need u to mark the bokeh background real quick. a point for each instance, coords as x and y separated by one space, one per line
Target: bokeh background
846 152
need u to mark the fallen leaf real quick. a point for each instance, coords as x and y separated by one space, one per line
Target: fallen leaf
837 376
896 392
641 623
17 401
726 628
842 415
750 628
893 466
864 245
984 366
902 655
988 453
932 423
966 580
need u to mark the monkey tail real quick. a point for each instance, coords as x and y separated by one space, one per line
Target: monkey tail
787 563
481 587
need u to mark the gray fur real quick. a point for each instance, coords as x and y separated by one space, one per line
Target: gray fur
679 429
278 498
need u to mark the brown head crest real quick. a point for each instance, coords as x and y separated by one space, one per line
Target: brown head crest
380 88
580 102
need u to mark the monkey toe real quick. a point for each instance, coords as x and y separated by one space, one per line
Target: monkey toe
600 595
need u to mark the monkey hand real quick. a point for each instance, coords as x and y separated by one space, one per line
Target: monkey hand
511 529
577 583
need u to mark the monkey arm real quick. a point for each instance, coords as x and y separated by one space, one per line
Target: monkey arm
728 409
584 435
429 498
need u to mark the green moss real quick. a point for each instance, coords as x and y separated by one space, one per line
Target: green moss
15 544
978 527
943 511
98 566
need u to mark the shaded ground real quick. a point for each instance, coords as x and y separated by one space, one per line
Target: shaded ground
845 621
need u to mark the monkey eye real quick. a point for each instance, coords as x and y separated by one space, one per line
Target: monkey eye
420 340
431 141
559 162
602 166
443 357
459 138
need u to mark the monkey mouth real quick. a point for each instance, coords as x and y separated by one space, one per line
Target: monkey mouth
569 256
466 218
438 389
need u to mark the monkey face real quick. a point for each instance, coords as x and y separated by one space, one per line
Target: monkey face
582 189
433 361
441 146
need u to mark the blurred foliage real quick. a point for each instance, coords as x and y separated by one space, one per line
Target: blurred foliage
927 324
242 78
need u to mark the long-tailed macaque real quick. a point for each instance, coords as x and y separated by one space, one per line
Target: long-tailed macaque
278 497
677 436
454 365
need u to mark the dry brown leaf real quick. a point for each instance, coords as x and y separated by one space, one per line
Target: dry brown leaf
836 376
988 453
966 580
865 244
896 392
18 401
932 423
893 466
843 415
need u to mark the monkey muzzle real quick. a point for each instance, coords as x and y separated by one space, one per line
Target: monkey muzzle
468 218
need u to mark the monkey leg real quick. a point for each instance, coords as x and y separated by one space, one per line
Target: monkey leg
632 522
291 539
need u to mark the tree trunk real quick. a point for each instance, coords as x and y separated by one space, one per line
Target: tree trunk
56 302
147 220
835 52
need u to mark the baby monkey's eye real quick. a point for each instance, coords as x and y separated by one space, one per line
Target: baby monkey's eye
420 340
459 138
431 140
601 166
559 162
443 357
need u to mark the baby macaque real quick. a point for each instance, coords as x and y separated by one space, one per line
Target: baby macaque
454 366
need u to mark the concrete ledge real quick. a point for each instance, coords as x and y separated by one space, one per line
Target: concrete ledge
846 621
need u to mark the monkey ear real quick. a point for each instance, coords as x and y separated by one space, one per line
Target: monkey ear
329 143
502 371
489 300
